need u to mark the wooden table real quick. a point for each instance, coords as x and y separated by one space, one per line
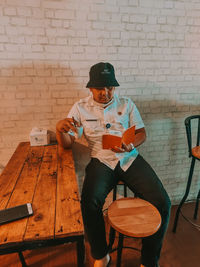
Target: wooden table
42 176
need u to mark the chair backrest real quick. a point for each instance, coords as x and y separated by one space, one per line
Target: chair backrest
190 133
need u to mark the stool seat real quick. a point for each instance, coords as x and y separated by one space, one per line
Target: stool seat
196 151
134 217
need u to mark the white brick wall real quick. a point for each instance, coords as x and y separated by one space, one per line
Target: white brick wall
47 48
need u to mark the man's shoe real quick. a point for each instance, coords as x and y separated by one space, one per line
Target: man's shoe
109 262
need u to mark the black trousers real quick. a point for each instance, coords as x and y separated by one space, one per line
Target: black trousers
142 180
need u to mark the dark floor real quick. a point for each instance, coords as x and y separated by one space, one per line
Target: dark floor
179 250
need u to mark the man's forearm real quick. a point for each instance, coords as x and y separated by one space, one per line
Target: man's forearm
140 137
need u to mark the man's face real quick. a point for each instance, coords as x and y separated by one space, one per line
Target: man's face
102 94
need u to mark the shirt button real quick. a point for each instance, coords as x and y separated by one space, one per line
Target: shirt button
108 125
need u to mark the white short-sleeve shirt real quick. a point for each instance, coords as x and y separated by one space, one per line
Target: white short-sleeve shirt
120 114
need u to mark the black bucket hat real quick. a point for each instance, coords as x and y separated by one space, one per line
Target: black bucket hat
102 75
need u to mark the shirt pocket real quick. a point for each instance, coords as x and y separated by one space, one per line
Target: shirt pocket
92 126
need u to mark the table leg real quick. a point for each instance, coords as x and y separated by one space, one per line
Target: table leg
80 251
22 259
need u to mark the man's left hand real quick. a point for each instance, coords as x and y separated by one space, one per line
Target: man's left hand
124 148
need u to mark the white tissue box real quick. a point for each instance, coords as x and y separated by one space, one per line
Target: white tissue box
39 137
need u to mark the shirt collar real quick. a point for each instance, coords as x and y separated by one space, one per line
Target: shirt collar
92 103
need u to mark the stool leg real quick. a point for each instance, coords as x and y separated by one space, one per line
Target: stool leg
125 190
119 249
185 195
114 193
111 238
197 206
112 230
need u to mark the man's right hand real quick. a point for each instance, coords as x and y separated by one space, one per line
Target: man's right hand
63 126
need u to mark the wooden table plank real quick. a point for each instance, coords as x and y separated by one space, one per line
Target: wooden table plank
68 212
11 173
23 193
41 224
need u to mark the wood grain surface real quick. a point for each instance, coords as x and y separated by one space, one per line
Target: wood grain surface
47 179
68 211
134 217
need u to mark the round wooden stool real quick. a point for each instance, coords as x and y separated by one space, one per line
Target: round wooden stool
133 217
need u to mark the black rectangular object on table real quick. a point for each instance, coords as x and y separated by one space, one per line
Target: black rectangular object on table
15 213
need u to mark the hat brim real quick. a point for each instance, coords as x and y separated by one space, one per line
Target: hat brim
93 84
